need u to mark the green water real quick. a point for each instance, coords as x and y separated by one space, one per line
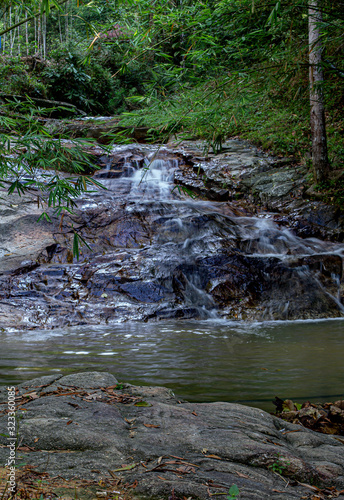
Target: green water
200 361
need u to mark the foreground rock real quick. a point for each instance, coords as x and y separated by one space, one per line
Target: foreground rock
87 426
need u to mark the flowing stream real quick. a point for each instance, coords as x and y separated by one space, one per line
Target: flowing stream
218 278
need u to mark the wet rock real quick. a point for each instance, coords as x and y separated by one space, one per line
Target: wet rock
156 254
277 184
242 285
162 444
22 238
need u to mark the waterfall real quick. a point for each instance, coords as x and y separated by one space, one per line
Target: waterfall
155 253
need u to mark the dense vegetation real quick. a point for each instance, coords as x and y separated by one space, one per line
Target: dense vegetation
210 69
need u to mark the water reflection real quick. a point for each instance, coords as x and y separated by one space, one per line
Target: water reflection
201 361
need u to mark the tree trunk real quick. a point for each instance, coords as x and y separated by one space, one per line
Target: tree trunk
4 37
39 35
318 127
25 20
44 36
66 22
11 34
35 23
26 36
60 30
16 20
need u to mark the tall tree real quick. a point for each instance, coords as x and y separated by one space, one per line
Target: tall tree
320 159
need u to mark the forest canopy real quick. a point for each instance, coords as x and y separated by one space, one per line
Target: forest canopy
210 69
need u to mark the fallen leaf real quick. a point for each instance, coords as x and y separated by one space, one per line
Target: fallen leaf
32 395
194 413
193 465
125 467
185 470
76 406
204 451
142 403
151 425
314 488
90 397
159 460
214 456
130 420
69 422
113 475
241 475
176 473
35 440
26 448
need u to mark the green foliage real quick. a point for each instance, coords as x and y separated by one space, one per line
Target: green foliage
16 78
67 78
91 86
33 163
77 241
279 465
210 69
332 191
233 492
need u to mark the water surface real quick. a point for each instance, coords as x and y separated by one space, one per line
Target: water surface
209 360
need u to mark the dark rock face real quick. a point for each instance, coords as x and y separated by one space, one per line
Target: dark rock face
155 253
279 185
83 425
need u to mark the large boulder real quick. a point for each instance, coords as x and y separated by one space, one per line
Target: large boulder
87 425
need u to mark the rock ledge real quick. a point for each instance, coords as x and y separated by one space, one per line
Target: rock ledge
86 424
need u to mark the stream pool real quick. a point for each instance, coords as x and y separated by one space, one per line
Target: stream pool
201 361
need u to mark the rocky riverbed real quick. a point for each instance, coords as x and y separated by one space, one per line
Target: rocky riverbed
87 425
155 253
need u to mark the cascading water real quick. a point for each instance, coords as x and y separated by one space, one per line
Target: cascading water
240 267
155 253
150 191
